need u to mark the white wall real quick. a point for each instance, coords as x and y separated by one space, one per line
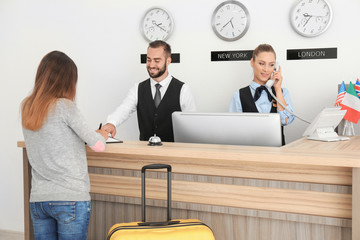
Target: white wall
104 40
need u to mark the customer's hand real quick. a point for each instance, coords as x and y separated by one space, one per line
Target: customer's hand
104 133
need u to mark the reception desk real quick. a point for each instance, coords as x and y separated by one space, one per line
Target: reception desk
306 190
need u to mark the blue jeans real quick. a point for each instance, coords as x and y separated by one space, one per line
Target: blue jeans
60 220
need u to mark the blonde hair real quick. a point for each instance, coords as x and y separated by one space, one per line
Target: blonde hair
263 48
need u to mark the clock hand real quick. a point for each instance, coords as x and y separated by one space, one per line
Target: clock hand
158 25
230 21
225 24
308 16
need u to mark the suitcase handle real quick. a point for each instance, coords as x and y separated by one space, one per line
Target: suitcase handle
158 223
143 197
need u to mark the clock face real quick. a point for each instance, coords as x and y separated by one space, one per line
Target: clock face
310 18
157 24
230 20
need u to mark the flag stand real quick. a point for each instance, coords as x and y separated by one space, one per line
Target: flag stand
348 129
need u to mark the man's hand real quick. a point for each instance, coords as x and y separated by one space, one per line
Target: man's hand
109 128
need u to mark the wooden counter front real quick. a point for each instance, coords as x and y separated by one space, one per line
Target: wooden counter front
304 190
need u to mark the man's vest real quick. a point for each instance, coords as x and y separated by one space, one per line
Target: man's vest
154 120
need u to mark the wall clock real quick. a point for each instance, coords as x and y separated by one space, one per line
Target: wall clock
230 20
310 18
157 24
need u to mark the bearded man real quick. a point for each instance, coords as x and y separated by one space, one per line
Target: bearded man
154 99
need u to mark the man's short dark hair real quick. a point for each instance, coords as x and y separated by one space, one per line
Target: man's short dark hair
164 45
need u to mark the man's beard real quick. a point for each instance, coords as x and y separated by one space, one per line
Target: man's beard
159 74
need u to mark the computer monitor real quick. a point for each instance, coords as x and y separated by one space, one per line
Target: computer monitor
254 129
322 128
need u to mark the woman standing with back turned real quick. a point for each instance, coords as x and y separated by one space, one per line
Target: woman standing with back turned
55 134
255 97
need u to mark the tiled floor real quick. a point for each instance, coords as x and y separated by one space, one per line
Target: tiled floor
7 235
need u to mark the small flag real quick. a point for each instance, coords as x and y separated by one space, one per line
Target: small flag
357 87
341 94
351 103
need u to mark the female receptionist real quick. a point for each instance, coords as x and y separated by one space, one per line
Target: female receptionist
256 97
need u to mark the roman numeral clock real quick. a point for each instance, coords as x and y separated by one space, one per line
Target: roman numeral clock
230 20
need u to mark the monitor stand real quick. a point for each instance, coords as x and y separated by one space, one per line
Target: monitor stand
326 134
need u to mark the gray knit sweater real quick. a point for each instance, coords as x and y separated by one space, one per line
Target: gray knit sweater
57 155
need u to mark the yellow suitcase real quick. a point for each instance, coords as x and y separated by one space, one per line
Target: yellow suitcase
182 229
177 229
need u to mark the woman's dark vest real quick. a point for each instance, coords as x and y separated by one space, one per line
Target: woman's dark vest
248 105
154 120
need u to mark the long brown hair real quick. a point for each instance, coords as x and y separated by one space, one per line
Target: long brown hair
56 78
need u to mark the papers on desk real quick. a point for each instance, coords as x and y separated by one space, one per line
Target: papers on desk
113 140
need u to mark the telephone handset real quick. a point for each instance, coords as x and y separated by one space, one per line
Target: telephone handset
270 82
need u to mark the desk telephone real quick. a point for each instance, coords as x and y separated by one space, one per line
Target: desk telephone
269 84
